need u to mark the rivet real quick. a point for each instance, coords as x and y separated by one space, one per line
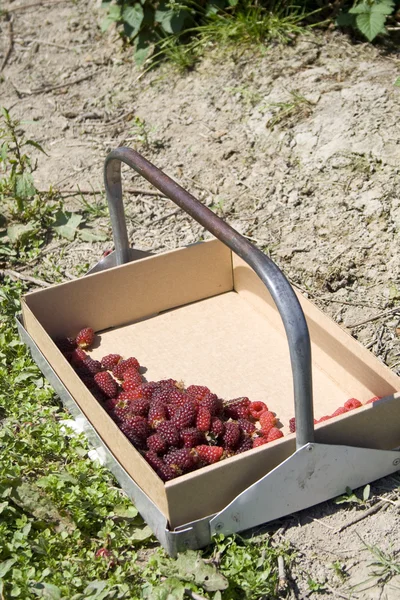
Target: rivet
219 526
396 461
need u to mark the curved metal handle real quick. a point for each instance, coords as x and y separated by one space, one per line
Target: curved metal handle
280 289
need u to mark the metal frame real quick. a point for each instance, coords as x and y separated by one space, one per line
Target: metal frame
313 473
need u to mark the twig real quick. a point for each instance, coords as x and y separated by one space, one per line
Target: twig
282 582
10 42
45 43
361 516
322 523
32 5
335 592
194 595
58 86
375 318
171 214
23 277
136 191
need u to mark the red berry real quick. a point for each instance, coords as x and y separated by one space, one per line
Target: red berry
136 430
157 414
169 432
122 408
132 386
156 462
78 356
185 416
65 345
274 434
85 337
175 396
203 419
157 443
374 399
181 460
292 425
90 366
209 454
107 384
192 437
109 361
247 426
212 403
260 441
256 409
139 406
237 409
245 444
133 375
217 427
352 403
339 411
267 419
124 365
197 392
231 436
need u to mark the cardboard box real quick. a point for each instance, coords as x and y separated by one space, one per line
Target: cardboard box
201 315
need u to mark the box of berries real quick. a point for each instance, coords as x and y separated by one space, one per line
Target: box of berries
180 363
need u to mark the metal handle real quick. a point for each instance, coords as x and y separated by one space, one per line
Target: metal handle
278 286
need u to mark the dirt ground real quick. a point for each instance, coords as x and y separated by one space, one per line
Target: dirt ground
297 147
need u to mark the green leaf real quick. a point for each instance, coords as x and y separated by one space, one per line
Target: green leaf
140 534
346 20
113 16
20 233
397 82
66 224
170 589
170 20
5 566
143 47
89 235
190 567
24 186
386 7
127 512
371 24
360 9
35 145
47 590
133 18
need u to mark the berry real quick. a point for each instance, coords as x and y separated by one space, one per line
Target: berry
244 445
209 454
134 394
157 414
274 434
132 374
184 416
157 443
339 411
231 436
136 430
260 441
165 472
107 384
203 419
65 345
109 405
192 437
352 404
85 337
132 386
109 361
122 408
267 419
292 425
374 399
175 396
237 409
217 427
124 365
139 406
197 392
169 432
181 460
256 409
78 356
90 366
212 403
247 426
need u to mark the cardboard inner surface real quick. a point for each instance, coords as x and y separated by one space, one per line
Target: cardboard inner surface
224 343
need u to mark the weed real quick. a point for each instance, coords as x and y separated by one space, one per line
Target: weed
340 570
382 570
298 107
316 586
351 498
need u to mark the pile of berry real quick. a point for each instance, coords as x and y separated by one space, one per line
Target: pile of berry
349 405
176 429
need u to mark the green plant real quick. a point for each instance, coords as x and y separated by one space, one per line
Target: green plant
340 570
287 113
351 498
367 16
382 569
315 586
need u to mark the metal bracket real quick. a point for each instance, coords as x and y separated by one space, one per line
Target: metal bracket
313 474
